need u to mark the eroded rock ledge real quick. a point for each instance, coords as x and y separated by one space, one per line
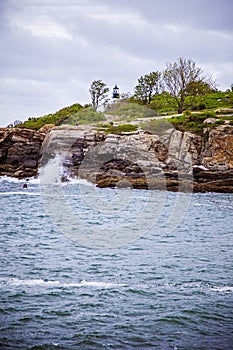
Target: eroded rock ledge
175 160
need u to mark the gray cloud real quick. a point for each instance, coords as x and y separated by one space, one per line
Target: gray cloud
51 50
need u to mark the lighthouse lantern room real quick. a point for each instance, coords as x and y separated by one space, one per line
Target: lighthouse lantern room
115 93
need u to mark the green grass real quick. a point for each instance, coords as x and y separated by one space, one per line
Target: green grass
55 118
85 116
130 111
194 122
162 103
218 100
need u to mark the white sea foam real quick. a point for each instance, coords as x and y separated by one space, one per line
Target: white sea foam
21 193
100 284
33 180
30 180
77 181
44 283
52 171
223 289
27 282
11 179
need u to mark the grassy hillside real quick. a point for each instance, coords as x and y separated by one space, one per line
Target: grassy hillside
72 115
192 122
127 110
218 99
85 116
161 104
56 118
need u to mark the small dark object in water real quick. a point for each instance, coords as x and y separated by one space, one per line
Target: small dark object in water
25 186
64 178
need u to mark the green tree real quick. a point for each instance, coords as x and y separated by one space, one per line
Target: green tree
98 91
17 122
200 88
181 79
194 92
148 86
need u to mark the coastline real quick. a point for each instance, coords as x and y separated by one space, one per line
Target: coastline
173 161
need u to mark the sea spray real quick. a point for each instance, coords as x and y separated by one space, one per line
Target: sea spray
52 171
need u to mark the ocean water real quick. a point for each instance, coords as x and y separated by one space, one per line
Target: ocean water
87 268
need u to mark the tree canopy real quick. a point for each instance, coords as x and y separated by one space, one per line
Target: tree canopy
98 91
148 86
182 79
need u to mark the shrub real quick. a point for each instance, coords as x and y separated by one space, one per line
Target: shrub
103 125
187 112
201 106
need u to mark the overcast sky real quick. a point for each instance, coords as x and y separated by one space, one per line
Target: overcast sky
51 50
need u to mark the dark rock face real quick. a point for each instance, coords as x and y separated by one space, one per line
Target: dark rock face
19 152
171 182
175 160
213 181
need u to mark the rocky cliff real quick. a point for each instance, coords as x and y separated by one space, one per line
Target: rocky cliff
20 152
174 160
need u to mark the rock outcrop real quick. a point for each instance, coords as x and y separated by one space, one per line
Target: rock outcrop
20 152
217 154
174 160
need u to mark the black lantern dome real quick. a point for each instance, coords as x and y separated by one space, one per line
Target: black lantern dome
115 93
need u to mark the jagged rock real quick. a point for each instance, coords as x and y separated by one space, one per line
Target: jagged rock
218 151
19 152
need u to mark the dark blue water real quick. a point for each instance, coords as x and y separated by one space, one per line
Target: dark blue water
163 289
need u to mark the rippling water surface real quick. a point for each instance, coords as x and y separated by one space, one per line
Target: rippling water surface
165 289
